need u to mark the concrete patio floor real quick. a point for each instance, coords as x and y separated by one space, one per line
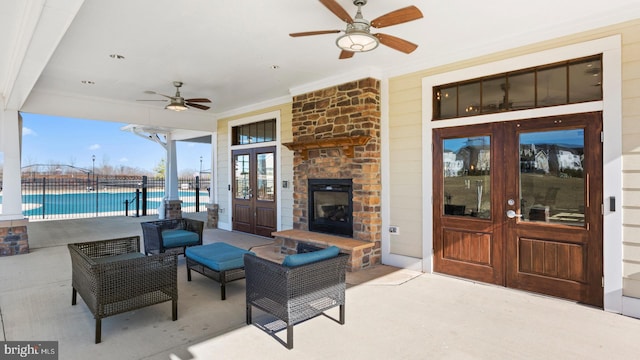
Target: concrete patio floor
391 313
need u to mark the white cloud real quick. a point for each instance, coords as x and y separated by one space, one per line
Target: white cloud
26 131
124 159
94 147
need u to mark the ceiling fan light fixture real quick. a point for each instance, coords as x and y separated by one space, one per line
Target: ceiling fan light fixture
176 106
357 41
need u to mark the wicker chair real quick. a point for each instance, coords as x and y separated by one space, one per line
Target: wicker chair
155 241
295 294
113 277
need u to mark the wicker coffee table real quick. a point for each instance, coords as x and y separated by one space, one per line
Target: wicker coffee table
218 261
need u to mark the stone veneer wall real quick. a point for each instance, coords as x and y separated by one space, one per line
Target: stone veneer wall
14 239
350 109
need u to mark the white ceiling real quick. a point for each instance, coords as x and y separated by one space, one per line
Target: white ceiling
226 50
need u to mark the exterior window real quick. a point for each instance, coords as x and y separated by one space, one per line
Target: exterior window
254 133
568 82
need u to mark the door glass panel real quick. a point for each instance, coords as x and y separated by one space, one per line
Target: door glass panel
265 177
467 181
242 189
552 183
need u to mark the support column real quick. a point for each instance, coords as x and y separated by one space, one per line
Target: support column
172 202
13 226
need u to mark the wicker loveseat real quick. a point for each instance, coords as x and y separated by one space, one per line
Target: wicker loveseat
296 290
113 277
160 235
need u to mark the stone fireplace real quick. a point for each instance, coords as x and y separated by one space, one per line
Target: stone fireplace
336 137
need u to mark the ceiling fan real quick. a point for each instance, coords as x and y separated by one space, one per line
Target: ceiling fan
177 102
357 36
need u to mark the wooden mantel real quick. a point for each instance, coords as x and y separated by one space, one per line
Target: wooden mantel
345 143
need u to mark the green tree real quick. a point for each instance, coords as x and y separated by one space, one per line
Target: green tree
160 168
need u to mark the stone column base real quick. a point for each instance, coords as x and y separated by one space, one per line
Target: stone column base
212 216
173 209
14 239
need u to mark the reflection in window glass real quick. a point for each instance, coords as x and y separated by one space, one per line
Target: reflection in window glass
522 94
585 81
552 184
242 189
493 94
448 99
269 131
572 81
552 86
469 99
253 133
467 180
265 177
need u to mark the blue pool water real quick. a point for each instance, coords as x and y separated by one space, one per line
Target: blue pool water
97 202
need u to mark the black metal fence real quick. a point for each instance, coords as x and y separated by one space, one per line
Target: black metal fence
94 196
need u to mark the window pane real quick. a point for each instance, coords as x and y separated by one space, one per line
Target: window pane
493 94
467 181
259 132
469 95
448 98
265 177
242 189
522 94
552 185
253 133
269 130
585 81
552 86
244 137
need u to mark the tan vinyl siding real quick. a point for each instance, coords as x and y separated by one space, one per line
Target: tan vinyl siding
631 159
405 165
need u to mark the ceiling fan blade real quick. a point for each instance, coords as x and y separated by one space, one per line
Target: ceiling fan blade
399 16
344 54
197 106
396 43
205 100
150 100
151 92
320 32
338 10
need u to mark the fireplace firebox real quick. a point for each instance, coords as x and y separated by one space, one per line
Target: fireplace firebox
331 206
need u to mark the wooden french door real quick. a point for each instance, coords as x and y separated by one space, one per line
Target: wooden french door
253 191
519 203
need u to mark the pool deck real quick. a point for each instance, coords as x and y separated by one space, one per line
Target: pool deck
391 313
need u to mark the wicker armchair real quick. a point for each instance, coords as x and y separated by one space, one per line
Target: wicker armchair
295 294
113 277
161 235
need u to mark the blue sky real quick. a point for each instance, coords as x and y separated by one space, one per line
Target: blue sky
58 140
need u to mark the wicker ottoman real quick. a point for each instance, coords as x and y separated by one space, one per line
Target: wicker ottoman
218 261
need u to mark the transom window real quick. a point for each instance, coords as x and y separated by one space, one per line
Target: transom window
254 133
567 82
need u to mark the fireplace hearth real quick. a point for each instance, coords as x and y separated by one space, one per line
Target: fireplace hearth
331 206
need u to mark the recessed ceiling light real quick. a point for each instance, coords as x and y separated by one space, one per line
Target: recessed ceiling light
275 67
117 56
88 82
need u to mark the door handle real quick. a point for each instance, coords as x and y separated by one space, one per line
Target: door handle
512 214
